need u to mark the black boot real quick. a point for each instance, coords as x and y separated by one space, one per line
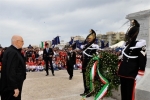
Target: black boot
70 77
46 74
53 74
83 94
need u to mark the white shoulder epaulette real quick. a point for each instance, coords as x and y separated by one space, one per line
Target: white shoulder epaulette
139 44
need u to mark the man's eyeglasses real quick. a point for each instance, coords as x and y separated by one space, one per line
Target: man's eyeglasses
20 41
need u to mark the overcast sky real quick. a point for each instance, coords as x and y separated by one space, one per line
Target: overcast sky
42 20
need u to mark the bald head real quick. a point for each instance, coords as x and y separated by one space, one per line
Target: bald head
17 41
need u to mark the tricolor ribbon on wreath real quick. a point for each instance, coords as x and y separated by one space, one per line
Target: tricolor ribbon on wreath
95 70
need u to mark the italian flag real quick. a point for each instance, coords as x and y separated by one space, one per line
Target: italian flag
43 44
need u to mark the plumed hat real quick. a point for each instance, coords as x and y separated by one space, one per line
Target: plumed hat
133 31
92 36
132 34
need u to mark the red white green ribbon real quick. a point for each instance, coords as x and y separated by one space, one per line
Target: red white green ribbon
94 70
104 89
92 75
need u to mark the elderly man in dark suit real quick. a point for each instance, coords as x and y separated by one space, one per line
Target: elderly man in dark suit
13 70
47 56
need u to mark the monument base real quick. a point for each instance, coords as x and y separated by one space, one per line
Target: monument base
148 59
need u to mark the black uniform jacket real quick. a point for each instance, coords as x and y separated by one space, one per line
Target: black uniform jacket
133 60
88 54
13 69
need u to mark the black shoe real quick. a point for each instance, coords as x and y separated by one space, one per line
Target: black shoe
70 77
88 95
46 74
53 74
83 94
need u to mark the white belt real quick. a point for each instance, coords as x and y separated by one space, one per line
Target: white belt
128 55
87 54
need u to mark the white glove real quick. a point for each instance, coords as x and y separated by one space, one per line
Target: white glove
138 77
120 57
82 46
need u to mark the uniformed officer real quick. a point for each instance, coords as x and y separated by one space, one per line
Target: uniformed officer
133 62
88 50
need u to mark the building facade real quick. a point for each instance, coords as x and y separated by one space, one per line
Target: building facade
111 37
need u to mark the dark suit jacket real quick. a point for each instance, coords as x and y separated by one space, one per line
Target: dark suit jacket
13 69
71 58
46 55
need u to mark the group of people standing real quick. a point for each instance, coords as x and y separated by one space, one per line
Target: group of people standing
131 66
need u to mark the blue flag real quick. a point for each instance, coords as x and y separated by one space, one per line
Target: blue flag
78 44
107 44
71 41
102 44
96 41
57 41
53 43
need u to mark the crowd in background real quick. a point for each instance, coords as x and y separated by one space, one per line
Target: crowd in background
34 58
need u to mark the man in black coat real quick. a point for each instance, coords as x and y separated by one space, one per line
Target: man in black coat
13 70
1 56
71 61
133 62
47 56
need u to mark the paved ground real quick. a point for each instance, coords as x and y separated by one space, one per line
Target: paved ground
37 86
